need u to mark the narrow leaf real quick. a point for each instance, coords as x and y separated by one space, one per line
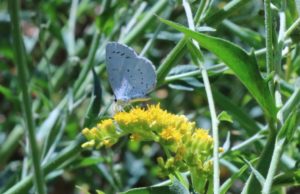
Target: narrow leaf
287 178
95 104
256 173
175 188
227 184
289 126
241 63
236 112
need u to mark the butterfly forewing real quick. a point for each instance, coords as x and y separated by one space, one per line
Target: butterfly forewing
131 77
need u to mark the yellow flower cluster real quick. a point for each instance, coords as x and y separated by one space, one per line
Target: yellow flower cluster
187 145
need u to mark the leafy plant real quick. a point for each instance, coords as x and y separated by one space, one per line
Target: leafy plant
230 67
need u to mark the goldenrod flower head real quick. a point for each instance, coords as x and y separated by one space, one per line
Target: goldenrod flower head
188 146
170 134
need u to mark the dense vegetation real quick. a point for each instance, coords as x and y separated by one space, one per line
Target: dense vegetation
231 67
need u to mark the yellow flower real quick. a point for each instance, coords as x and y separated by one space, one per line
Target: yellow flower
170 134
88 144
107 124
188 147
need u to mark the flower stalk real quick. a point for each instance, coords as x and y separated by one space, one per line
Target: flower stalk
23 81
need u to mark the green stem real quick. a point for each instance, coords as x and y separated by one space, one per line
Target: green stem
292 28
263 164
211 104
25 184
215 131
273 166
269 45
140 27
199 13
167 64
21 66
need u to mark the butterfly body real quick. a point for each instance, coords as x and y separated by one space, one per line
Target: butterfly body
131 76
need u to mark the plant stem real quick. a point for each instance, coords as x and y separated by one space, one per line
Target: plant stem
292 28
22 76
215 131
212 109
268 29
263 164
201 8
164 68
273 165
24 185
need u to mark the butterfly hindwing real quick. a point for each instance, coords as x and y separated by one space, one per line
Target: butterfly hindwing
131 77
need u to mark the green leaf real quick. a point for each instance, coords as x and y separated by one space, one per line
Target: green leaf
291 103
89 161
199 180
95 104
287 178
289 126
215 18
97 93
7 93
175 188
256 173
227 184
224 116
186 84
170 61
241 63
181 87
250 37
182 69
237 113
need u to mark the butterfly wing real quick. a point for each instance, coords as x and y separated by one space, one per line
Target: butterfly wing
117 56
130 76
140 74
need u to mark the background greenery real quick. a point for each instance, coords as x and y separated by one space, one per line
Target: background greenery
62 55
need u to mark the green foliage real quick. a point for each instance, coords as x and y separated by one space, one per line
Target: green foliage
176 188
53 84
242 64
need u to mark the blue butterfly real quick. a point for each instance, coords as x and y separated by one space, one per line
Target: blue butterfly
131 76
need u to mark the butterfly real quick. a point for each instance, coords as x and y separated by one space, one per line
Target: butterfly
131 77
